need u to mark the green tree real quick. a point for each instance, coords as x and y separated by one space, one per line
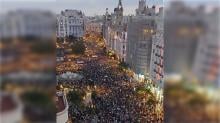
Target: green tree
75 97
78 48
94 95
71 39
60 40
123 65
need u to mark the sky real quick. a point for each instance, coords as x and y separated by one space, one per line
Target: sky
89 7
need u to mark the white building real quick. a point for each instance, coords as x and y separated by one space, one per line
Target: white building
70 23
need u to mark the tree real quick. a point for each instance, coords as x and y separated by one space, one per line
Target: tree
94 95
72 38
123 65
75 97
78 48
60 40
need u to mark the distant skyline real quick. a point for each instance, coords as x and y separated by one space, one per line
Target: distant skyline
89 7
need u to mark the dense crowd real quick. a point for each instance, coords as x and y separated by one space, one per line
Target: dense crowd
121 105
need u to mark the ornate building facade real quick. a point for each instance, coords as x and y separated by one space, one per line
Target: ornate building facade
137 40
115 32
145 10
70 23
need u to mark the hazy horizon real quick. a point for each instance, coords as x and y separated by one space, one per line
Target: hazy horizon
89 7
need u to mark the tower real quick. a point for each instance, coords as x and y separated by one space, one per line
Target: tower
119 9
142 4
119 4
106 14
141 7
119 13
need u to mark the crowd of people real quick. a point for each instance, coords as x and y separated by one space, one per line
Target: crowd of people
120 105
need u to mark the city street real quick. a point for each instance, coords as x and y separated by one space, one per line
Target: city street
116 99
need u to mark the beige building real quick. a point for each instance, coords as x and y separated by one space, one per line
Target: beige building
95 27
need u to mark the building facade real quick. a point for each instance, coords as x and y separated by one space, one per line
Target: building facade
70 23
144 10
183 28
94 27
139 46
206 66
137 40
145 45
157 53
115 32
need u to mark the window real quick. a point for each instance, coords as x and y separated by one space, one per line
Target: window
151 30
143 45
